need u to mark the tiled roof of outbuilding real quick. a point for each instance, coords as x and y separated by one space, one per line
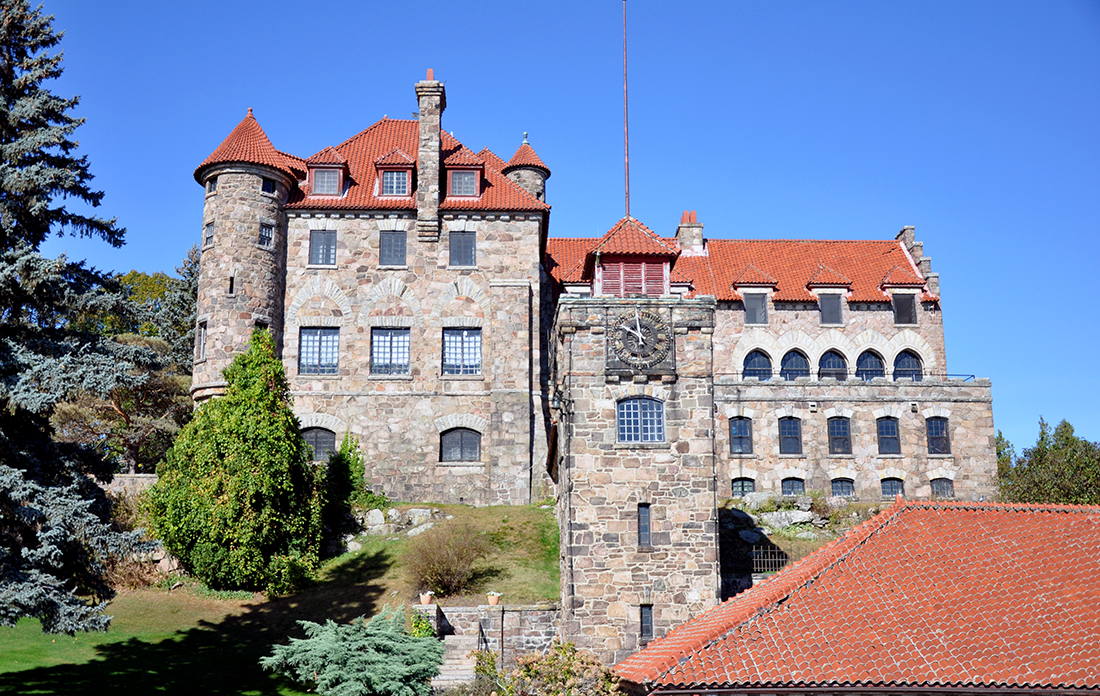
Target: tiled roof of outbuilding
249 144
947 594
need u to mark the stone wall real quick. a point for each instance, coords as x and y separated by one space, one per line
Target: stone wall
128 484
528 628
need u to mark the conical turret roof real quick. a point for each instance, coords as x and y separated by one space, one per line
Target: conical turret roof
525 157
249 144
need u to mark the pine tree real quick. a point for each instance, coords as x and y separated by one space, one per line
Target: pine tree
54 530
363 658
237 500
174 319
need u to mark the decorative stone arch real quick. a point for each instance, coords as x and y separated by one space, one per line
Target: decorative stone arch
842 412
891 472
790 472
936 411
391 287
737 411
757 339
941 472
325 288
461 287
322 420
461 420
791 412
888 411
843 472
660 392
907 339
831 340
745 472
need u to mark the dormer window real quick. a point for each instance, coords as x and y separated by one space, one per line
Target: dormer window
464 182
395 182
326 182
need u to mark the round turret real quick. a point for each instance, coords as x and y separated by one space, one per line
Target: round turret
242 270
527 169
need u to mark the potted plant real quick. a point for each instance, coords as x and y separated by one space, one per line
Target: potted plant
426 597
494 598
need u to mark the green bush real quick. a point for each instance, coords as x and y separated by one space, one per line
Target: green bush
363 658
562 671
442 559
421 627
237 500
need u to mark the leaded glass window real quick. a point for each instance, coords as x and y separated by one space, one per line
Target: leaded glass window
321 441
793 486
758 365
462 351
907 365
840 436
389 351
460 445
790 436
395 183
794 365
844 488
939 441
743 486
463 248
391 250
869 366
943 488
740 435
464 183
322 247
318 351
326 182
641 419
889 440
892 487
832 364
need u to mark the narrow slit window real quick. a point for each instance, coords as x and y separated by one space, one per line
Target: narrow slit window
200 342
646 620
208 234
232 285
212 184
645 538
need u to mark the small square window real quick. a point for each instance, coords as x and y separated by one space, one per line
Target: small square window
743 486
322 247
389 351
644 536
212 184
830 309
840 436
326 182
463 249
464 183
208 234
790 436
641 419
267 185
740 435
892 487
318 351
646 619
395 183
321 441
462 351
391 251
267 235
844 488
756 308
793 486
905 309
460 445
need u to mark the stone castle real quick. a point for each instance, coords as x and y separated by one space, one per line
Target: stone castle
420 305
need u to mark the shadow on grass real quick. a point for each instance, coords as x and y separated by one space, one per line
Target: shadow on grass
215 658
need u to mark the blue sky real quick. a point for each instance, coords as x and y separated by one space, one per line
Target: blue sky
977 122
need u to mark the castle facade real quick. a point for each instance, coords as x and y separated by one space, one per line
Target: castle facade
421 306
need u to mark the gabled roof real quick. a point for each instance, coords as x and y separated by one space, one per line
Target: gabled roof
395 157
948 594
900 276
327 156
828 277
630 237
460 156
751 275
525 157
491 159
247 143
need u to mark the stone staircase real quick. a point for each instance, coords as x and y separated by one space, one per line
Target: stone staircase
458 664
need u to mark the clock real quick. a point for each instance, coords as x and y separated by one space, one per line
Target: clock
640 338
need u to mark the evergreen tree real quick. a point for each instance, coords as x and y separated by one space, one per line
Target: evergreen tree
174 318
363 658
237 500
54 532
1060 468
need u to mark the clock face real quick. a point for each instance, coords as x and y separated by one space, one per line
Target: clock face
641 338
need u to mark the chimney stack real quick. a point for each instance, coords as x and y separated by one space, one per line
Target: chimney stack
432 98
689 235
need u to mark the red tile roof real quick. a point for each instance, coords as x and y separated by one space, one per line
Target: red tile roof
829 277
950 594
491 159
327 156
459 156
395 157
249 144
629 237
901 276
525 157
862 265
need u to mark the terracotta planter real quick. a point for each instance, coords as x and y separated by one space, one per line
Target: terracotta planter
425 599
494 600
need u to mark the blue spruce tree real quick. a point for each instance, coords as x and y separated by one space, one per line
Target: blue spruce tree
54 528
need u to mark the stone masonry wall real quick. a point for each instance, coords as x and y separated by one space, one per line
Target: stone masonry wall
399 418
528 628
606 575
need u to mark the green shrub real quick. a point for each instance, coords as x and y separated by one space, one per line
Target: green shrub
562 671
442 559
363 658
421 627
237 500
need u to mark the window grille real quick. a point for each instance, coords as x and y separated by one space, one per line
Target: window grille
869 366
743 486
892 487
794 365
322 247
938 439
641 419
793 486
740 435
319 351
389 351
790 436
840 436
462 351
889 441
321 441
757 365
391 250
460 445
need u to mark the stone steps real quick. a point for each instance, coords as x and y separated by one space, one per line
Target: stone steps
458 664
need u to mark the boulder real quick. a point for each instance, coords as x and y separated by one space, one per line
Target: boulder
758 499
836 502
418 516
805 535
374 518
395 515
354 546
803 502
785 518
420 529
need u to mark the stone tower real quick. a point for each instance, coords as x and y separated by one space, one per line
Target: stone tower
527 169
242 272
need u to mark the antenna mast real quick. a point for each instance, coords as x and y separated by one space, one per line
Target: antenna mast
626 119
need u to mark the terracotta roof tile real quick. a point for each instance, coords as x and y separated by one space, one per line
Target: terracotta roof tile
947 593
327 156
825 276
525 157
899 275
395 156
631 237
491 159
457 155
751 275
249 144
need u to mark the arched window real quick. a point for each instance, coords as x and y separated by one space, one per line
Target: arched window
743 486
907 365
793 486
832 364
889 440
460 445
322 441
794 365
844 488
943 488
757 365
869 366
740 436
892 487
641 419
840 436
939 442
790 436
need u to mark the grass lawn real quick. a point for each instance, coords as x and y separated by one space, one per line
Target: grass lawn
185 642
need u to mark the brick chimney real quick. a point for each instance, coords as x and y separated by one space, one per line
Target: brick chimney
689 235
432 98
